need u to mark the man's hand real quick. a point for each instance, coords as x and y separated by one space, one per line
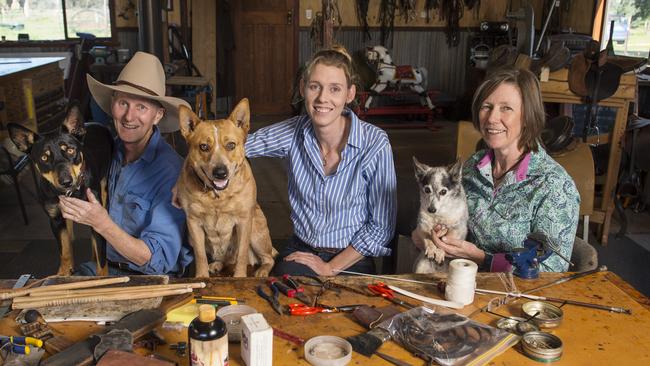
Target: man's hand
90 212
312 261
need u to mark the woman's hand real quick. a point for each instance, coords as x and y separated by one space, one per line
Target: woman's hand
458 248
312 261
90 212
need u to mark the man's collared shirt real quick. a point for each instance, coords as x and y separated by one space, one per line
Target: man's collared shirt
356 205
539 196
140 203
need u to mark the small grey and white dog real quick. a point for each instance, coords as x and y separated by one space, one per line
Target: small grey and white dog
442 202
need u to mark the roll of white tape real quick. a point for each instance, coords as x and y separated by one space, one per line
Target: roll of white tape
461 281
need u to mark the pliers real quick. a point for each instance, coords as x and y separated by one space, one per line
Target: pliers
272 299
20 344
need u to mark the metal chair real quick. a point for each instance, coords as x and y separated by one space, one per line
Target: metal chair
12 168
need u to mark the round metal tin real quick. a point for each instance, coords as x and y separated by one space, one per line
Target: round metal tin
541 346
543 314
518 326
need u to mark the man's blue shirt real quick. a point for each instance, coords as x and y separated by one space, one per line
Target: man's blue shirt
140 203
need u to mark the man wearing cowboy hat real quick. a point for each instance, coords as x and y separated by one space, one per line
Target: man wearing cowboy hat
144 232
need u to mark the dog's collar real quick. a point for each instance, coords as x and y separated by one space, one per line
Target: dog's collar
206 188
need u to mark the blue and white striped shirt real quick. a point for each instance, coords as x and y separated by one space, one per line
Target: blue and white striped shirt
356 205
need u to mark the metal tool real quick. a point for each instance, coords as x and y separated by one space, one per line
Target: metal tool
272 299
566 279
526 260
302 309
20 344
288 291
22 280
381 289
555 299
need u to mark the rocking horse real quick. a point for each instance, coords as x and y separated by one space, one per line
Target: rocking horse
388 74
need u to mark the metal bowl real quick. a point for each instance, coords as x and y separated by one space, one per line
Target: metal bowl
543 314
518 326
542 347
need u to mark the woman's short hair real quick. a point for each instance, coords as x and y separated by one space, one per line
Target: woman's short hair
532 114
336 56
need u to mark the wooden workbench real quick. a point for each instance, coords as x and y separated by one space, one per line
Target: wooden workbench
590 337
556 90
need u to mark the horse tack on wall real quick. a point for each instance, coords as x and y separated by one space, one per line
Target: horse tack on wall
397 77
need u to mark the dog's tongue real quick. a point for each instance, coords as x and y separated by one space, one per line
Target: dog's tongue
220 183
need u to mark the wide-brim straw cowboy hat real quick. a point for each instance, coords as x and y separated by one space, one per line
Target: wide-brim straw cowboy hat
143 76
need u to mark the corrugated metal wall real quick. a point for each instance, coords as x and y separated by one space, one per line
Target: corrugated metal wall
445 65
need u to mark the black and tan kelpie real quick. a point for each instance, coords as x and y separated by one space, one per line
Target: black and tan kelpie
67 161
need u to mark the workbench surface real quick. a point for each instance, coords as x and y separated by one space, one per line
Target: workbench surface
590 336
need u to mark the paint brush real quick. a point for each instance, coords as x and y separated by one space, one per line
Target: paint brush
368 343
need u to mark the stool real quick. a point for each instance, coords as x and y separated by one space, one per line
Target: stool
200 88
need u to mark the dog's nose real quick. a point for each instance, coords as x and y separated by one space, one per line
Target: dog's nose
432 209
220 172
65 181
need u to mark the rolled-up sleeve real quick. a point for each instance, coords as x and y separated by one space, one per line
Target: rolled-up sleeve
273 141
372 237
557 217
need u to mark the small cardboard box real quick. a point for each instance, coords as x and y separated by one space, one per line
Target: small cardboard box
256 340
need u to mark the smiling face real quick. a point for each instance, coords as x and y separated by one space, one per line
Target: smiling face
326 93
500 118
134 118
216 147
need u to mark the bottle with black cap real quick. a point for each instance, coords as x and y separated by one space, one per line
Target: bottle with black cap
208 339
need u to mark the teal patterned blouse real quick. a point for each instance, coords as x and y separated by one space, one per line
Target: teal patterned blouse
539 196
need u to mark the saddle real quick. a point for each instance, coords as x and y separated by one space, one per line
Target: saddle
558 134
404 72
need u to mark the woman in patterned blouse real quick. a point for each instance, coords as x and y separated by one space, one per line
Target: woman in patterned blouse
514 188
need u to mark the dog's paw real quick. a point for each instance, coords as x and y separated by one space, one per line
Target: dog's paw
215 267
262 272
435 253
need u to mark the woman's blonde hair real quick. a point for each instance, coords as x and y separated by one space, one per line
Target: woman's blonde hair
532 114
336 56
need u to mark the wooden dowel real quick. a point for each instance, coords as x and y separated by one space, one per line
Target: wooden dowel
98 292
118 289
64 286
91 299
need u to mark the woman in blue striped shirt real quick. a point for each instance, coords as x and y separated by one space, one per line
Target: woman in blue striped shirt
342 185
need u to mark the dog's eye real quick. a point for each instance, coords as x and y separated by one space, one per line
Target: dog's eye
427 190
70 151
204 147
230 146
44 157
443 192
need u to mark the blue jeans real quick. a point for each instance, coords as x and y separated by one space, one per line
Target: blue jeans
365 265
90 269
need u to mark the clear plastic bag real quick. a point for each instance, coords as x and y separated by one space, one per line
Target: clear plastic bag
447 338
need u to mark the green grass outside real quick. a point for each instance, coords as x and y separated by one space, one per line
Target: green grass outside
638 43
48 24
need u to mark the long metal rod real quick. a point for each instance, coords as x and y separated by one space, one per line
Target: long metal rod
566 279
548 18
555 299
389 278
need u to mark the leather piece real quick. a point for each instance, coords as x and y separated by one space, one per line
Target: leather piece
369 316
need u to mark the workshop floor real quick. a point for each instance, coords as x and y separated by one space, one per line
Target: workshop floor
32 249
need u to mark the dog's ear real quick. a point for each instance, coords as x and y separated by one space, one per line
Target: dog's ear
188 121
74 122
420 169
241 115
22 136
456 170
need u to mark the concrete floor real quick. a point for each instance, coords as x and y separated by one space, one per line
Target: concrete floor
32 249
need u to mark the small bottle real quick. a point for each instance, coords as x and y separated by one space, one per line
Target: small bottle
208 339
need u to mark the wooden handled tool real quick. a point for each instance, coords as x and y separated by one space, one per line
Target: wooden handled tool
64 286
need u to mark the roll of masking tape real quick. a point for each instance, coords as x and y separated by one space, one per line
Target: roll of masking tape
461 281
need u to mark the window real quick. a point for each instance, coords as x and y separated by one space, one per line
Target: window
631 33
43 20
